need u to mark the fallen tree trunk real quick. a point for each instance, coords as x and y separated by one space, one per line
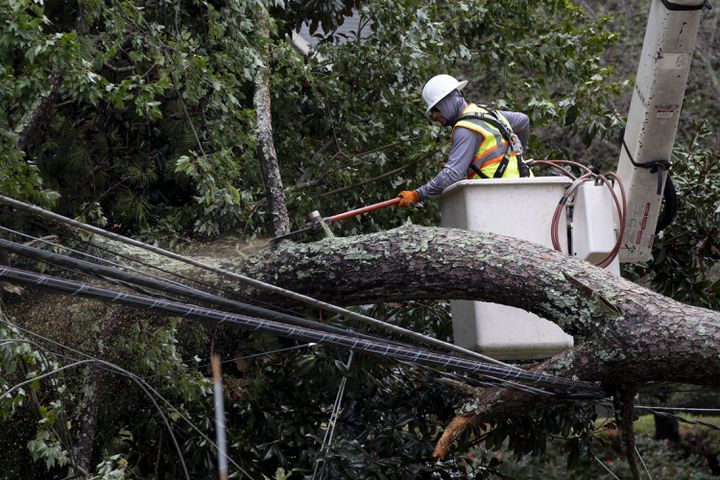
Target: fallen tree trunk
625 334
646 334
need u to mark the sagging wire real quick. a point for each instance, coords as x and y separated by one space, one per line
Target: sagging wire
40 377
643 462
116 369
332 422
225 302
63 262
235 359
115 253
132 280
586 176
262 354
229 294
53 258
495 381
104 273
33 209
666 412
396 351
659 413
678 409
604 466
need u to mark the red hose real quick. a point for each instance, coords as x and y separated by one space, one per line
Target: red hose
620 205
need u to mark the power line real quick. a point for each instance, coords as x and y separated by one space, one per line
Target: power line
572 388
103 272
33 209
643 463
604 466
163 285
234 359
105 261
194 281
709 425
678 409
492 381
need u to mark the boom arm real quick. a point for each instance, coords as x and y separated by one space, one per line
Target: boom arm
653 118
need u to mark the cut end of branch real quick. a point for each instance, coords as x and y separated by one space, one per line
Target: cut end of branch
458 425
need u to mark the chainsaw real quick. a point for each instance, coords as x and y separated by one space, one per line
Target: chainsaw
317 221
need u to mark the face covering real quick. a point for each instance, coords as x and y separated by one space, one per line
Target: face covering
452 106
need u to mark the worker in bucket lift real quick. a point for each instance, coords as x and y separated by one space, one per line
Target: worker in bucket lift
486 143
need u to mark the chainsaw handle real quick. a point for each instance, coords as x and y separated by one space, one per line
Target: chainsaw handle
359 211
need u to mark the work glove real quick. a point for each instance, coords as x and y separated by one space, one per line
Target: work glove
408 198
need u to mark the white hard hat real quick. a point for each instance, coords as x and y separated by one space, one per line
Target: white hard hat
438 88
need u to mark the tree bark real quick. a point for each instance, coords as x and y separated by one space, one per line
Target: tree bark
625 334
87 419
44 106
39 112
267 155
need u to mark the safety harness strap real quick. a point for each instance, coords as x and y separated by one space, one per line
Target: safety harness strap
494 120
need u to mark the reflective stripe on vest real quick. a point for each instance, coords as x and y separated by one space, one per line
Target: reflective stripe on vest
493 146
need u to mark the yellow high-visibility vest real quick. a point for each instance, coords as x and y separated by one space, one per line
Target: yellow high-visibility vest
493 147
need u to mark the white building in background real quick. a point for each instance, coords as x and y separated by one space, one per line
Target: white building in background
304 42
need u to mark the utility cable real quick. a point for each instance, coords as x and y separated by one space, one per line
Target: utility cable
195 281
604 466
335 413
679 409
667 412
33 209
32 252
235 359
185 291
182 290
643 462
395 351
40 377
105 261
709 425
494 381
261 354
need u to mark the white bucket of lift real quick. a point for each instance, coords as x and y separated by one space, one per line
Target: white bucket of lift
523 208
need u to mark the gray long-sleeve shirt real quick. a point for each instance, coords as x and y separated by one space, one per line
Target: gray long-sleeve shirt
466 144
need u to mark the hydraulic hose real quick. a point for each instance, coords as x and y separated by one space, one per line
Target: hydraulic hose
586 176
